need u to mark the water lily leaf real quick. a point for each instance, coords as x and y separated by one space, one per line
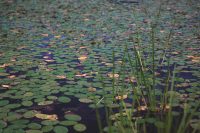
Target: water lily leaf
72 117
45 102
47 128
82 58
121 97
28 94
2 124
92 89
34 126
30 114
85 100
79 127
61 77
49 122
33 131
60 129
115 75
68 123
13 117
3 102
46 116
27 103
64 99
52 97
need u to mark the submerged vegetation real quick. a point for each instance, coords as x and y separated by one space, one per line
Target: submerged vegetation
95 66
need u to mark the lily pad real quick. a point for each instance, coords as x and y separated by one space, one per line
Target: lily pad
13 117
49 122
60 129
79 127
12 106
33 131
30 114
27 103
45 102
21 121
2 124
64 99
3 102
68 123
85 100
72 117
34 126
47 128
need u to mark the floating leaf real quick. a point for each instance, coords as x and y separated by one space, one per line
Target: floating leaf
27 103
6 86
45 35
68 123
34 126
92 89
82 58
60 129
115 75
58 36
3 102
64 99
81 75
33 131
46 116
121 97
45 102
72 117
61 76
2 124
85 100
30 114
47 128
49 122
79 127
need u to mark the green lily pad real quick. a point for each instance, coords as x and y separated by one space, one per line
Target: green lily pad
33 131
28 94
72 117
2 115
45 102
29 114
19 131
17 126
3 102
34 126
27 103
49 122
12 106
60 129
96 106
85 100
52 97
47 128
13 117
21 121
8 130
2 124
79 127
67 123
64 99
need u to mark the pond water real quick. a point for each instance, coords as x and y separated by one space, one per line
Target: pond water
56 60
